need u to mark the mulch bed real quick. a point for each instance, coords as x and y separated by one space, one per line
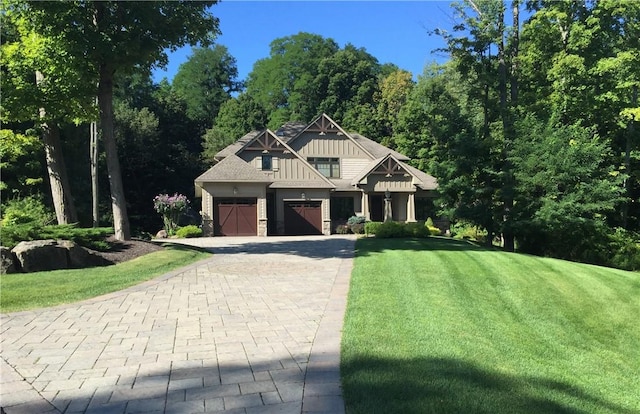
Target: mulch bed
123 251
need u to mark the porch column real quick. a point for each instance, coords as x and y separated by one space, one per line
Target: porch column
365 206
411 208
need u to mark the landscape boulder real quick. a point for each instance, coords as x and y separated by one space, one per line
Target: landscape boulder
40 255
7 264
79 257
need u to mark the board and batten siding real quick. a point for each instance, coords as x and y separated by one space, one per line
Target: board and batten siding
351 167
380 183
286 167
311 144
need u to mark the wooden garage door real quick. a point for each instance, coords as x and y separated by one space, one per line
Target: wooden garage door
301 218
236 217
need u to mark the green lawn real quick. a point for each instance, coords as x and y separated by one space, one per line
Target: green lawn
23 291
441 326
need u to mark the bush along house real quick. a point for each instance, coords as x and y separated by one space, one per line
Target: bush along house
306 179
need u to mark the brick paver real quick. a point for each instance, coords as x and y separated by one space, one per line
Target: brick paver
254 329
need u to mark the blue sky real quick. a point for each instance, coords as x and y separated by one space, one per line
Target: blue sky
392 31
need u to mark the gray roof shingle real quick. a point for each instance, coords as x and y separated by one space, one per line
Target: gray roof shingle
233 169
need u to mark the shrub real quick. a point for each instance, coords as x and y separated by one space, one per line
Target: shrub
93 238
29 209
625 250
170 208
390 229
416 230
356 220
372 227
189 231
469 231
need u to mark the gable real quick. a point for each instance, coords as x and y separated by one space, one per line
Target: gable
265 141
389 170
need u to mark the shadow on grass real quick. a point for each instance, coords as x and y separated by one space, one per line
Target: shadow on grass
368 245
455 386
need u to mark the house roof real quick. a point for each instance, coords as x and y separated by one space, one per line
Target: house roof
233 169
421 179
376 149
237 146
425 181
290 130
302 184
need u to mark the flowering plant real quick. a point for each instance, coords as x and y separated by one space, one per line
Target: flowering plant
170 208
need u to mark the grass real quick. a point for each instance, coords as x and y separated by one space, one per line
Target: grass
441 326
23 291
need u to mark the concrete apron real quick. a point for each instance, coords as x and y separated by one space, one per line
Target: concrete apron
254 329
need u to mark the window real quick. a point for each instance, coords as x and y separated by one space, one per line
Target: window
329 167
267 163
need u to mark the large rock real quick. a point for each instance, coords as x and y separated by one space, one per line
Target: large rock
7 264
79 257
39 255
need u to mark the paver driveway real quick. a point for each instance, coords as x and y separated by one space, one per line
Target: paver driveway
254 329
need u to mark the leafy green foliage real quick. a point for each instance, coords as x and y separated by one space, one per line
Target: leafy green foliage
189 231
205 81
372 227
20 161
30 209
283 83
92 238
564 191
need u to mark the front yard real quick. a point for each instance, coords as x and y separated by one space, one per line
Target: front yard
440 326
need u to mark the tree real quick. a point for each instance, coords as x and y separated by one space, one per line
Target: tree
283 83
237 116
565 190
486 52
394 90
205 81
346 83
436 129
580 63
117 36
44 85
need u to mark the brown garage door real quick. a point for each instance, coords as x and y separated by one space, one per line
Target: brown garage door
236 217
301 218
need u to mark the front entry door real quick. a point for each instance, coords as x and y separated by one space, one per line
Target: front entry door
376 207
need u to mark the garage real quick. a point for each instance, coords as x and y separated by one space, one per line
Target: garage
236 217
302 218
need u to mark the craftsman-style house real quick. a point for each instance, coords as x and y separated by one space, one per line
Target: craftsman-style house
307 179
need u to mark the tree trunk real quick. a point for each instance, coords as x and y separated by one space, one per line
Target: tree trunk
627 160
118 202
93 156
508 242
515 47
57 170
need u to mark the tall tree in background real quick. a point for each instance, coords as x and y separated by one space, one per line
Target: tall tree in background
117 36
205 81
580 64
237 116
486 51
283 83
346 83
